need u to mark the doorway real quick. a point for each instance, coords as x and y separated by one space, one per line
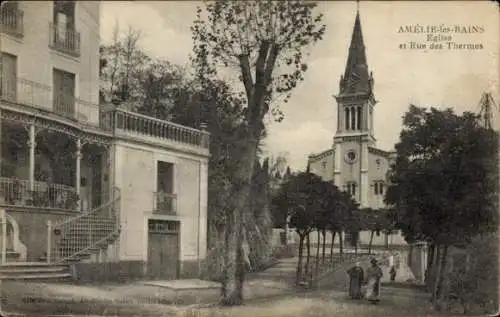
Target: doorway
163 249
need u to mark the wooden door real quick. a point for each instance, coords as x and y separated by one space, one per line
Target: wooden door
163 249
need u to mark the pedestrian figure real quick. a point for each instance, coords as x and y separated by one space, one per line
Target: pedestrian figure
356 277
393 274
374 275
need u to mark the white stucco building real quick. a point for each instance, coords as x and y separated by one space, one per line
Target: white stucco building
111 191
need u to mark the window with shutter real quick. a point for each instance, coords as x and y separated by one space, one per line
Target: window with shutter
8 81
64 93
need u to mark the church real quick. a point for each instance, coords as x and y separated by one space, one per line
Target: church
354 163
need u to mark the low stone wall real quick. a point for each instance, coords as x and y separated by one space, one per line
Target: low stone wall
190 269
120 272
123 271
364 238
33 228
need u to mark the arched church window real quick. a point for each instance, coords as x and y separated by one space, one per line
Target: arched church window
353 118
346 113
378 187
359 117
351 188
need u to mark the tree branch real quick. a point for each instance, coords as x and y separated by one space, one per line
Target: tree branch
246 75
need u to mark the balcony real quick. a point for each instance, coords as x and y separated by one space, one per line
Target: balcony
18 193
165 204
40 96
11 21
64 40
131 124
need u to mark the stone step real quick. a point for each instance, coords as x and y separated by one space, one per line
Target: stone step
37 276
34 271
30 269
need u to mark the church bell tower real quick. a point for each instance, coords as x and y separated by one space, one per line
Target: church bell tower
355 109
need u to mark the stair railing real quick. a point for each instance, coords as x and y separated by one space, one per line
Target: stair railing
3 219
68 239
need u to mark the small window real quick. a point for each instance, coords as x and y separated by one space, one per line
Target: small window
351 188
323 164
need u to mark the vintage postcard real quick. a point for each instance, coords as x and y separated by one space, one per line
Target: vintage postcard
249 158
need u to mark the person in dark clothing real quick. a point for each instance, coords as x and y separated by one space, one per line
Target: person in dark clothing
356 277
393 274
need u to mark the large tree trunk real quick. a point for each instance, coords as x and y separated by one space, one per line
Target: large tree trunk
430 256
308 255
298 275
286 229
324 244
370 243
439 289
317 254
439 276
341 242
232 286
331 246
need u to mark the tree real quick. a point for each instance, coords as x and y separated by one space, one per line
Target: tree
121 65
375 221
265 41
440 184
299 196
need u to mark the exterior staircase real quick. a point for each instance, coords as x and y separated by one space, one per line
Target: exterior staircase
83 238
87 234
87 237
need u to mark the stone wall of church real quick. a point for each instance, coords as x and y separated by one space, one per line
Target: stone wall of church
378 167
350 171
322 165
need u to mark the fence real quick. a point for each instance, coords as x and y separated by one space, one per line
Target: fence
18 192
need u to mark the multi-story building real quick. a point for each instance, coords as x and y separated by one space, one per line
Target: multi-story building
82 182
354 163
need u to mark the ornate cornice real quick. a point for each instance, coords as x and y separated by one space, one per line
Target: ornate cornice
317 157
380 152
74 130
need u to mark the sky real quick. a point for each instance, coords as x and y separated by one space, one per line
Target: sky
425 77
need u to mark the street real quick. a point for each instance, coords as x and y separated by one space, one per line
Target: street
267 293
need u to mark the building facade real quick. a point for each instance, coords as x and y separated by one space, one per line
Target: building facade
82 182
354 163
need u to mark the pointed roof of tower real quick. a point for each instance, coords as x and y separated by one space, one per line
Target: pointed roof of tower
357 78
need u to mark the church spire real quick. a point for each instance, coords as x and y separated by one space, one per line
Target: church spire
356 77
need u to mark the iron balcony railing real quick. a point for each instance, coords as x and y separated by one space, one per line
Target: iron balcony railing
18 192
64 40
11 21
131 123
36 95
165 204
